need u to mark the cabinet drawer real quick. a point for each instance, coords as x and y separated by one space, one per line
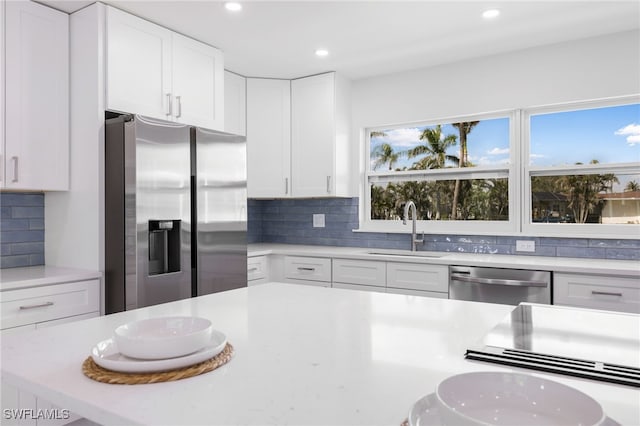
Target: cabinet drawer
307 268
365 272
372 288
433 294
598 292
415 276
256 268
33 305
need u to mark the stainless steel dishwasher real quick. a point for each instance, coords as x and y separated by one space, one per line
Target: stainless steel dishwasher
499 285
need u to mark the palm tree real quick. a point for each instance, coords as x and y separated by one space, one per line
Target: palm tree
435 148
463 130
632 186
384 154
582 192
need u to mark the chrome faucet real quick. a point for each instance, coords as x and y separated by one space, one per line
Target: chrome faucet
414 241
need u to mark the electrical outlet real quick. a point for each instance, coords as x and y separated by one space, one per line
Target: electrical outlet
525 245
318 220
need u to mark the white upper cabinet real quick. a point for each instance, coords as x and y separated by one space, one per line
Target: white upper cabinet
320 153
138 65
36 110
235 104
156 72
198 83
298 137
268 138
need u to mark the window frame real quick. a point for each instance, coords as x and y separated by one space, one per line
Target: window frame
518 171
571 230
470 227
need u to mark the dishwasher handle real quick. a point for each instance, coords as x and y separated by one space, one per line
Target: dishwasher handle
497 281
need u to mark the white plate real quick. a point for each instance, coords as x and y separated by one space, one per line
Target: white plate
107 355
425 413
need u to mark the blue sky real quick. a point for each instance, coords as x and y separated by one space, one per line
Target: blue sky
488 142
610 135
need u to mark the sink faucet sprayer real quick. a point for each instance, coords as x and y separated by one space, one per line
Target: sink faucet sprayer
414 241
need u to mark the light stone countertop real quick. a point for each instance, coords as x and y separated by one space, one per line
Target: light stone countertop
36 276
628 268
304 355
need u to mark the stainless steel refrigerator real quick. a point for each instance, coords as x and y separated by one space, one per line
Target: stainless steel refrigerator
175 212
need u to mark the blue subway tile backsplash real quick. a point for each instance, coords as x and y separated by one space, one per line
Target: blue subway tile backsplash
290 221
21 229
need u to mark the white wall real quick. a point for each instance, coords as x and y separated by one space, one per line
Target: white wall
573 71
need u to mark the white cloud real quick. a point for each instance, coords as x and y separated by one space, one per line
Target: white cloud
537 155
488 161
498 151
408 137
632 132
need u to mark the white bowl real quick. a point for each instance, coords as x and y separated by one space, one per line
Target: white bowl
493 398
161 338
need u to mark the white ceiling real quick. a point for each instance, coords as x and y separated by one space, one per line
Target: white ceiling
367 38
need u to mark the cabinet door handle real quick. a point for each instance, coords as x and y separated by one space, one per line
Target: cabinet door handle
286 186
169 109
301 268
605 293
41 305
178 106
253 269
328 184
15 169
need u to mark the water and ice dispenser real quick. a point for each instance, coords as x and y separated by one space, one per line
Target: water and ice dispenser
164 246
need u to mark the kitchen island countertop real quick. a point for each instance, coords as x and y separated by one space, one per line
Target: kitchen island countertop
303 356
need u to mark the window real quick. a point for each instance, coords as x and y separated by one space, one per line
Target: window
583 170
567 171
458 173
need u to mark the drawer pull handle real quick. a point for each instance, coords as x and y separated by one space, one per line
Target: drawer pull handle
41 305
300 268
605 293
253 269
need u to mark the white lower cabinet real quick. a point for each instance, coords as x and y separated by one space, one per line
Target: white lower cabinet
417 277
369 275
392 277
307 270
613 293
362 272
24 310
257 270
373 288
408 292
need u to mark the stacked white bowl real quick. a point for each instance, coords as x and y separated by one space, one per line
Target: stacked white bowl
502 398
162 338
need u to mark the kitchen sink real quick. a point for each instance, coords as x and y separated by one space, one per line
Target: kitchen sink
405 253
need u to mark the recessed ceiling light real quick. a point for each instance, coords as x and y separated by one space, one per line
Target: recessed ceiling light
322 52
490 14
233 6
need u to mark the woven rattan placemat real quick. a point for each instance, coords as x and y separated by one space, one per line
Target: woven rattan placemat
97 373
